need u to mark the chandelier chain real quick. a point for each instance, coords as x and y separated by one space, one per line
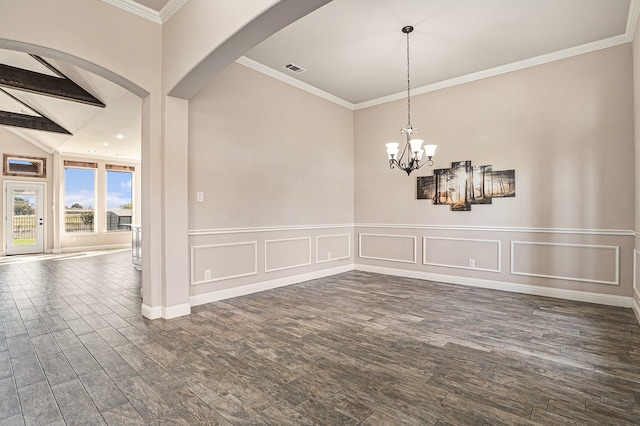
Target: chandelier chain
408 88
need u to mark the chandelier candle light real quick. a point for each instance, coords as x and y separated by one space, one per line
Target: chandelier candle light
413 150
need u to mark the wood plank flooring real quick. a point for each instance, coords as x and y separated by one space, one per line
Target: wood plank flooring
353 349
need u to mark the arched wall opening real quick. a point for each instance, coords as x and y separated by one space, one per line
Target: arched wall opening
149 293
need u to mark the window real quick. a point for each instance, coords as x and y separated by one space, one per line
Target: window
18 165
79 196
119 197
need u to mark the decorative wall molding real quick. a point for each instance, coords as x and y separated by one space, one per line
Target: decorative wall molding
411 237
580 296
578 231
284 240
636 253
229 293
333 259
636 309
616 249
225 277
498 252
224 231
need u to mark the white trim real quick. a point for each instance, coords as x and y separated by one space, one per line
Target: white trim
415 249
266 253
255 259
635 269
586 280
169 9
257 66
348 256
503 69
498 256
618 232
176 311
580 296
632 19
214 296
136 161
165 312
636 309
151 312
137 9
578 231
222 231
158 17
95 248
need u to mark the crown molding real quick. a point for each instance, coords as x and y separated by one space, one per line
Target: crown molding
257 66
632 19
514 66
173 6
145 12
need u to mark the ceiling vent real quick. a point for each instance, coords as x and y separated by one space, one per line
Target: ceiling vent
294 68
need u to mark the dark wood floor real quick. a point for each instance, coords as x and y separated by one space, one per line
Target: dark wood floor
355 348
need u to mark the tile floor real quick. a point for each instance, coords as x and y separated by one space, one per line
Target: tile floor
355 348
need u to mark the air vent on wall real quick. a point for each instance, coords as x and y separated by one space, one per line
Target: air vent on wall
294 68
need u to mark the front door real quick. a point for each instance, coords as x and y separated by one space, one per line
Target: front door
25 218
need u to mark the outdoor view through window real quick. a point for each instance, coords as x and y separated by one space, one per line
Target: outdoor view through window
80 200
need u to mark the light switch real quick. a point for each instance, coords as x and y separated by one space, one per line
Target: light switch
200 197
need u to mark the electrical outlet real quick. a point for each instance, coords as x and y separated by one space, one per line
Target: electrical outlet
207 274
330 256
472 263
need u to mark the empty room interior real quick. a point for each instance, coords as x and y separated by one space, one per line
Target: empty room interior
329 212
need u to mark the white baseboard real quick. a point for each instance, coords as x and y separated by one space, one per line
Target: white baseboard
580 296
56 251
151 312
176 311
95 248
155 312
214 296
636 309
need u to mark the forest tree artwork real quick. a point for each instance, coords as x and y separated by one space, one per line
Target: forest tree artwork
463 185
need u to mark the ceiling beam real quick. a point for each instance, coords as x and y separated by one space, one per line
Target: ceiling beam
47 85
30 122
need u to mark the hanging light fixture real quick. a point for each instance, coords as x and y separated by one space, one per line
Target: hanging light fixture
411 156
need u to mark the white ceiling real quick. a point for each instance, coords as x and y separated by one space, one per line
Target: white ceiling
355 49
112 132
354 54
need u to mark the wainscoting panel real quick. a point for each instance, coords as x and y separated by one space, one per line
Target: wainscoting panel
392 248
223 261
333 247
636 271
461 253
287 253
575 262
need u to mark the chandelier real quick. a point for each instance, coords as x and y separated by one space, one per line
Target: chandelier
411 156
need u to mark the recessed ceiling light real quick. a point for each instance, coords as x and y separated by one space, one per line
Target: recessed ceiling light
105 143
120 136
92 150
